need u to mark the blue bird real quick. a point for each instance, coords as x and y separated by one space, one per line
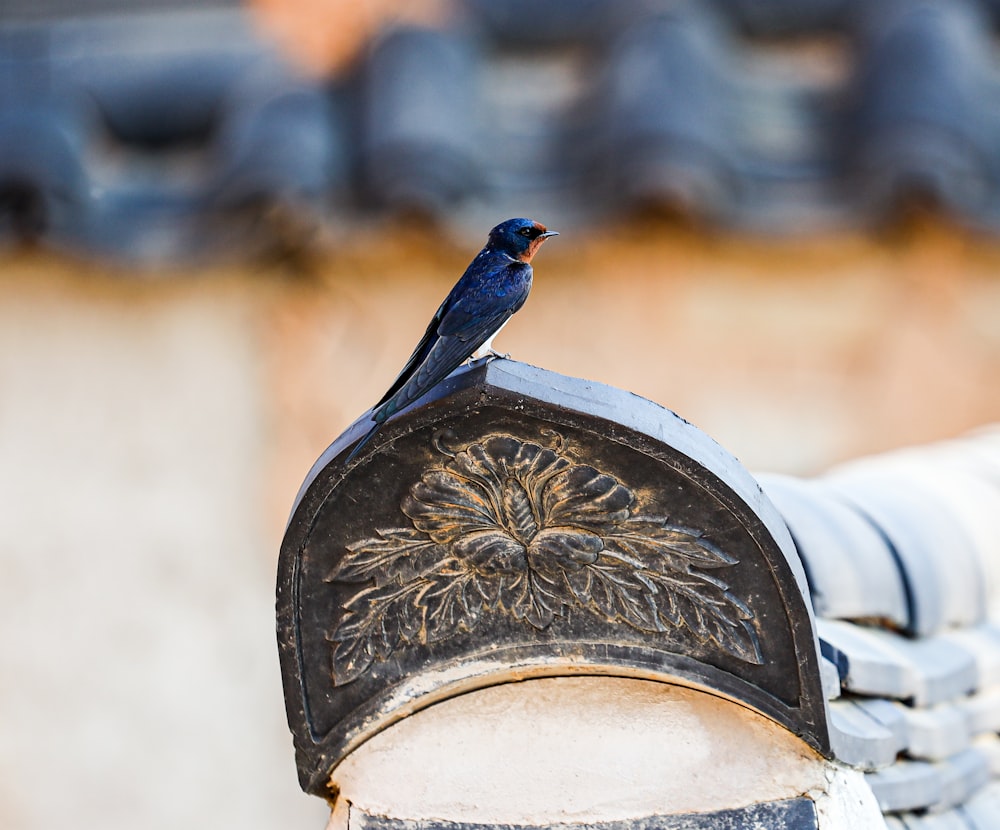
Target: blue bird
492 289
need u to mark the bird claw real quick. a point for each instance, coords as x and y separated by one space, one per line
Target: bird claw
492 355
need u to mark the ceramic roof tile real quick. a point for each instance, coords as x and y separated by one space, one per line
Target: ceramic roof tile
921 66
950 820
831 678
868 663
982 810
967 499
988 745
962 775
684 151
197 118
778 17
932 734
745 133
276 141
888 713
876 662
932 697
983 643
919 785
936 733
418 144
906 785
944 590
859 740
983 711
851 571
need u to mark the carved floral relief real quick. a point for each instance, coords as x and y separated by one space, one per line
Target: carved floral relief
512 527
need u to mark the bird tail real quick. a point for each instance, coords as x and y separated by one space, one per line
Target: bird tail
361 444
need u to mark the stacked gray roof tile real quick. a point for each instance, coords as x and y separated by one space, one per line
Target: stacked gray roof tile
907 616
175 130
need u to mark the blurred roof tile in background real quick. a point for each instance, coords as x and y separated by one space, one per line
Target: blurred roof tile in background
131 130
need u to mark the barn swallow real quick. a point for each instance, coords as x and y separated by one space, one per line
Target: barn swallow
492 289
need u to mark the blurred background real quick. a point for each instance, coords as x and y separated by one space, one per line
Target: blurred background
224 226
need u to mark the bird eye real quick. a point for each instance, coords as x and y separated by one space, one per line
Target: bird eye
525 231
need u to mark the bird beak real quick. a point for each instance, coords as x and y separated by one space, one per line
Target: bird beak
547 234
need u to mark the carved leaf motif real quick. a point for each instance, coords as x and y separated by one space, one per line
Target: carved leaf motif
649 539
389 558
377 619
541 603
449 608
704 606
512 527
713 613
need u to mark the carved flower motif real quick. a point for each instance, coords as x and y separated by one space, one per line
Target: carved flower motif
508 507
518 528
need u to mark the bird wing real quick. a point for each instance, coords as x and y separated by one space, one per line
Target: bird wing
445 355
481 310
454 323
419 355
464 321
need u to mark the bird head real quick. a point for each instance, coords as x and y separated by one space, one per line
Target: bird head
519 238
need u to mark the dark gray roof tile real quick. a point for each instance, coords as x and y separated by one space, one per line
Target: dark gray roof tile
419 125
555 22
680 153
787 17
594 109
277 139
920 132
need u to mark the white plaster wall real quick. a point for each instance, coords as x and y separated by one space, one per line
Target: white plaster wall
584 749
139 685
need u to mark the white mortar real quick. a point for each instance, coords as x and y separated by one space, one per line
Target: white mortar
578 749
